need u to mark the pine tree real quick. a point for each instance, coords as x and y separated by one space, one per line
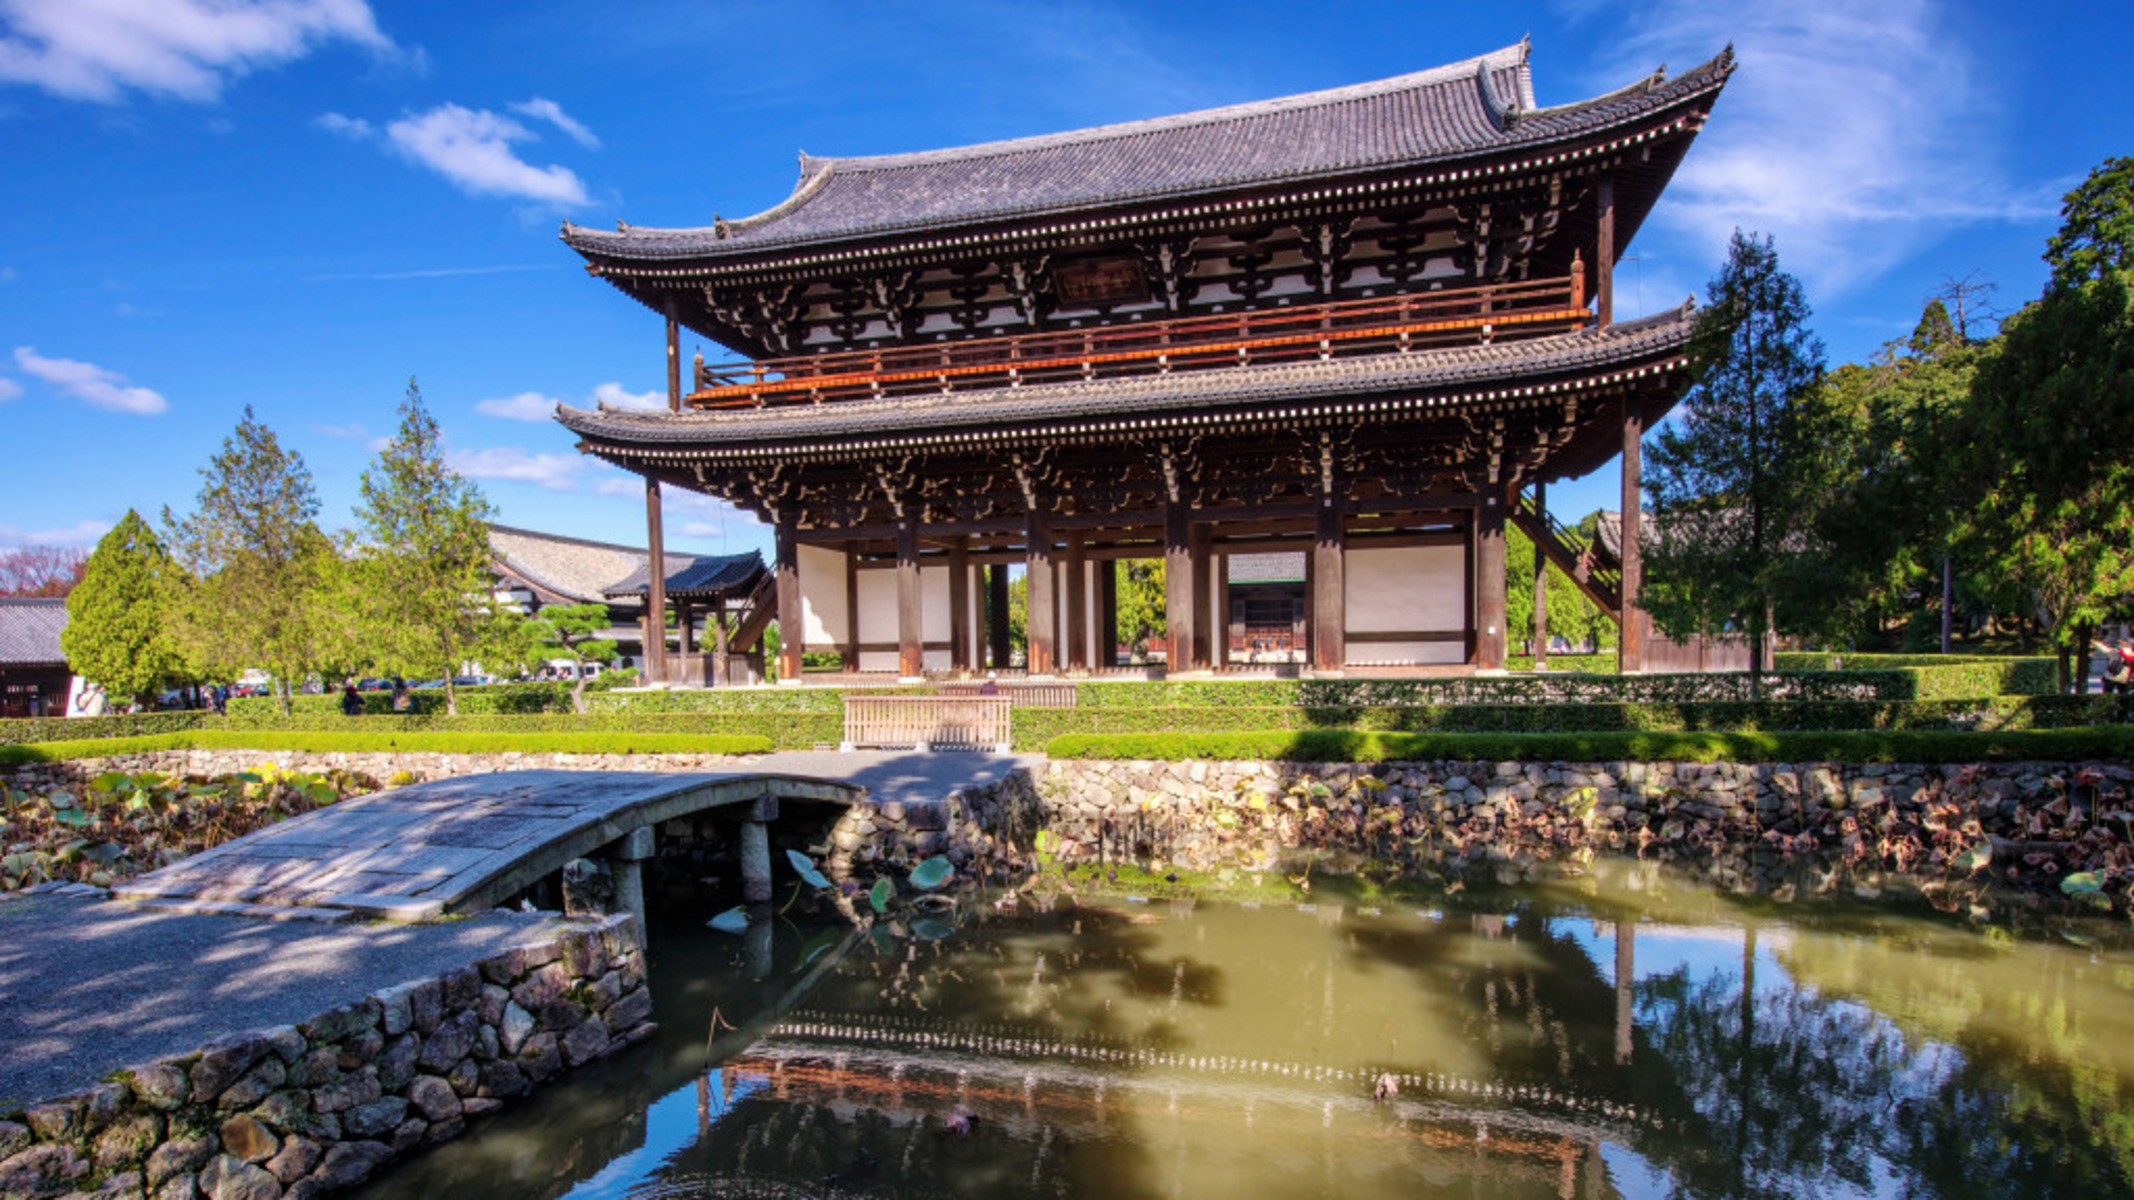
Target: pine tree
1728 482
118 626
568 630
423 566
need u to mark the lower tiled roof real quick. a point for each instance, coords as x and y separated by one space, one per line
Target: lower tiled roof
29 632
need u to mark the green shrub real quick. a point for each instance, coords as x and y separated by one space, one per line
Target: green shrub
1912 746
1566 688
412 742
1941 676
40 729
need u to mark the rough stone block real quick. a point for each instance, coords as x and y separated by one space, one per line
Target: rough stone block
364 1047
464 1077
183 1187
408 1134
518 1025
160 1086
340 1024
397 1064
348 1164
57 1120
426 1006
585 1043
248 1138
501 1079
256 1085
297 1158
224 1062
227 1177
376 1118
539 1057
285 1111
14 1138
395 1014
128 1141
354 1091
461 989
630 1010
453 1041
434 1098
541 985
482 1106
287 1042
491 1006
179 1156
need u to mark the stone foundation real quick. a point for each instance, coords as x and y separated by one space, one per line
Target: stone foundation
312 1109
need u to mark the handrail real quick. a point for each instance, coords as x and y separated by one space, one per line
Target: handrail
1586 561
1251 337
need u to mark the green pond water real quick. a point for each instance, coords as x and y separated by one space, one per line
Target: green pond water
1625 1034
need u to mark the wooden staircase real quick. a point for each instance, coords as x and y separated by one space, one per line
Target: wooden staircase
1588 564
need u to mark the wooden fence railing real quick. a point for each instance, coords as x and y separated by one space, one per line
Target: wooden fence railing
1450 316
928 722
1022 695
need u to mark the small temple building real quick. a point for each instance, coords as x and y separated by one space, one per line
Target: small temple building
1361 328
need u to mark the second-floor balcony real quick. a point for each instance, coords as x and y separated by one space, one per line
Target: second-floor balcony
1255 337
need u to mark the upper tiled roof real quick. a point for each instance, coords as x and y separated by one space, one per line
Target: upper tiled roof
1482 106
29 632
698 576
1497 366
571 567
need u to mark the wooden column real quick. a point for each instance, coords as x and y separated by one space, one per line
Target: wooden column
1041 627
849 654
996 616
721 670
1489 583
1541 583
655 587
1604 251
959 603
1107 649
1329 591
684 618
674 359
791 635
1178 587
1631 646
1220 657
1203 598
911 603
1077 604
1626 940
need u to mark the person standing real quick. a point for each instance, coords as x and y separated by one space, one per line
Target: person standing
351 702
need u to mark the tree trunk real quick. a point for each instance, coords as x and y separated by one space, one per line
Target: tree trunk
578 691
451 697
2083 634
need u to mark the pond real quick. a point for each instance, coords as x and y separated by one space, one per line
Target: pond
1623 1034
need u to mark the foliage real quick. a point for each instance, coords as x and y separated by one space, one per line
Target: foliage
1728 481
1142 614
1572 616
117 632
2096 237
41 571
422 564
1939 676
2051 407
264 581
2051 745
121 825
567 631
394 742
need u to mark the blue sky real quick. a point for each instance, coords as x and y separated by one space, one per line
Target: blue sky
298 204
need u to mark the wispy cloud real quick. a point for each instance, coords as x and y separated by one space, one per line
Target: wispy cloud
91 384
81 533
473 148
556 472
100 50
1855 134
548 110
345 126
9 389
537 406
425 273
619 485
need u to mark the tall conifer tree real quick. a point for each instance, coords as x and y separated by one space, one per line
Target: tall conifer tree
118 623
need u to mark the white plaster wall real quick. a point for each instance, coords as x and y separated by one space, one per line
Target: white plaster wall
822 596
933 623
878 618
1406 588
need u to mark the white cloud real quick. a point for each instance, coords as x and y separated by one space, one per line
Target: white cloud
473 149
9 389
81 533
346 126
614 396
526 406
1855 134
91 384
556 472
99 49
550 111
620 485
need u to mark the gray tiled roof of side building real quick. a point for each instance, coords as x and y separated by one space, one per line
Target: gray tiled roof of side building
29 631
697 575
1497 364
1480 106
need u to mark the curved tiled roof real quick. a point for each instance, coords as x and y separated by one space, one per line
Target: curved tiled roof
29 631
1498 368
698 576
1483 106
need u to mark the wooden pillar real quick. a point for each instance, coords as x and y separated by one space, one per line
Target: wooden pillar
1329 591
684 619
1203 598
1626 934
1077 603
849 654
655 587
1631 646
911 602
721 670
959 603
791 626
1489 582
996 616
1178 587
1220 658
674 359
1107 650
1041 626
1541 583
1604 252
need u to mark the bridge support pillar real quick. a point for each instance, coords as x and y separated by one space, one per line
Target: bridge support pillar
755 862
626 861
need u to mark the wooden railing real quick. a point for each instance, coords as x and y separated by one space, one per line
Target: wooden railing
1022 695
1584 560
928 722
1451 316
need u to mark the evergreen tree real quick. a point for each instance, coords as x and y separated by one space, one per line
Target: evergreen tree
568 631
264 581
2096 236
423 567
118 634
1726 482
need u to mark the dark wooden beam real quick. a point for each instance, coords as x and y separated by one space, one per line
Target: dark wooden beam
911 601
1107 648
1489 586
1630 647
959 604
1329 593
792 636
1604 252
1203 595
674 359
850 651
1178 589
996 615
1541 585
655 587
1041 624
1077 603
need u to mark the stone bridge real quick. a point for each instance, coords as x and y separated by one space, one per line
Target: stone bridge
470 843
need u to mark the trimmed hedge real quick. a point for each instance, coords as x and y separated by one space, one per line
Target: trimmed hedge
1566 688
18 730
2045 745
321 742
1942 676
1603 663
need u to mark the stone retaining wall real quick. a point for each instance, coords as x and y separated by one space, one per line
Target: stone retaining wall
309 1110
